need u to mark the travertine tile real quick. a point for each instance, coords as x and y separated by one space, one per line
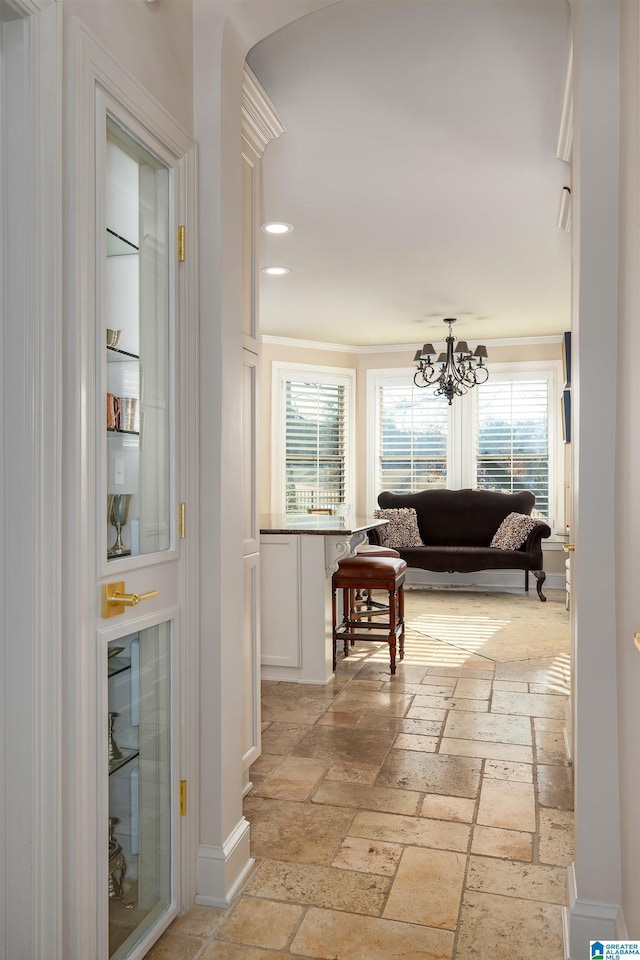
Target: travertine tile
473 689
319 886
532 670
437 685
550 747
240 951
353 772
421 689
423 707
515 686
369 798
288 830
427 888
530 881
507 770
420 728
528 704
368 856
283 710
263 923
433 773
407 741
264 764
487 748
280 738
494 842
508 805
507 928
345 743
368 938
482 726
485 672
414 831
448 808
556 844
384 701
170 947
295 778
555 786
548 723
334 719
199 922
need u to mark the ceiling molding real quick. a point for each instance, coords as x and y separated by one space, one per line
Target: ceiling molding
398 347
261 122
564 150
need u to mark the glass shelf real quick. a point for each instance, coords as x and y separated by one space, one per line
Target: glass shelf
127 755
117 246
115 355
126 433
118 665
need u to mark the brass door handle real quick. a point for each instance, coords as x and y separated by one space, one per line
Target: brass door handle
569 547
114 599
636 639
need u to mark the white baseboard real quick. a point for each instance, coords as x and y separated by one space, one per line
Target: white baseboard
221 870
585 920
499 580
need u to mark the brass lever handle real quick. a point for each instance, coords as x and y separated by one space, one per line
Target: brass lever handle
114 598
131 599
569 547
636 639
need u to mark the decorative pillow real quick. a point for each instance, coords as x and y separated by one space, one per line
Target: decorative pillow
513 531
402 529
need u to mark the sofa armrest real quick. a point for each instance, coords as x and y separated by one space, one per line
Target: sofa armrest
373 536
533 542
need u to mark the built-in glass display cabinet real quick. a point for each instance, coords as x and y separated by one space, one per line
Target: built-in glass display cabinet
136 356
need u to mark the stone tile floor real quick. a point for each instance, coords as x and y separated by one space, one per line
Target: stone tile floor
426 815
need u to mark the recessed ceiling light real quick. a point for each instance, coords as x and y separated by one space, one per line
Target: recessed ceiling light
276 271
276 226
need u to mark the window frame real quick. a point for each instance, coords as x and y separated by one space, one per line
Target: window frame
283 372
461 450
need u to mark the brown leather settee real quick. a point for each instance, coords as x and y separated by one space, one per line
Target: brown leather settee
457 526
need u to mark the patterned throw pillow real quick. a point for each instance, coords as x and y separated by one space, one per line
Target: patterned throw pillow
402 529
513 531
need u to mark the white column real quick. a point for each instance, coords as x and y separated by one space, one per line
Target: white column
594 879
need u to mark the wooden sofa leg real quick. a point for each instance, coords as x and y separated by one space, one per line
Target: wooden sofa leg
540 576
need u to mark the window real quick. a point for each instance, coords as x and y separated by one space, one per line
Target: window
413 429
512 438
312 436
503 435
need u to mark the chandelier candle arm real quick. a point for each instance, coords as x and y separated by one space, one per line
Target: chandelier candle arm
455 371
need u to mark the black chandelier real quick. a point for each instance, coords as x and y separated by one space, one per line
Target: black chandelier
455 371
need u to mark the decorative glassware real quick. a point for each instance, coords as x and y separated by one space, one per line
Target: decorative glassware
118 506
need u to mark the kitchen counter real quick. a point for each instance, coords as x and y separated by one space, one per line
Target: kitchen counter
299 553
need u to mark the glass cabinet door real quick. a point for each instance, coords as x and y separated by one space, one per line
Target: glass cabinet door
139 757
137 344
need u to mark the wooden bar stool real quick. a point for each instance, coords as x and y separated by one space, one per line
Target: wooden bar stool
365 597
369 573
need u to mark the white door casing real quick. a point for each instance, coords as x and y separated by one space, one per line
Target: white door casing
98 87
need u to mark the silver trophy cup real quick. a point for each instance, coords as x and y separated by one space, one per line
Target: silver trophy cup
118 506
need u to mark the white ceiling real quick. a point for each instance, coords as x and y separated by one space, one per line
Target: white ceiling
419 170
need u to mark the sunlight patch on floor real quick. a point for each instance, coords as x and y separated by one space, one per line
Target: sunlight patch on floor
472 631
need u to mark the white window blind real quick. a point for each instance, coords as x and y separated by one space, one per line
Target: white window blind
413 438
315 444
512 438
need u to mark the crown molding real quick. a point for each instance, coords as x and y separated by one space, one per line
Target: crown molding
261 122
398 347
564 150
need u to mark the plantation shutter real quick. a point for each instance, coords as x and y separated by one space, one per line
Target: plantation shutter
512 438
315 447
413 439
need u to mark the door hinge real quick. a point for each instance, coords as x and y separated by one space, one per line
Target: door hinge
183 798
182 520
181 242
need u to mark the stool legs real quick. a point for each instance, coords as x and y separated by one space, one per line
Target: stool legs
353 620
